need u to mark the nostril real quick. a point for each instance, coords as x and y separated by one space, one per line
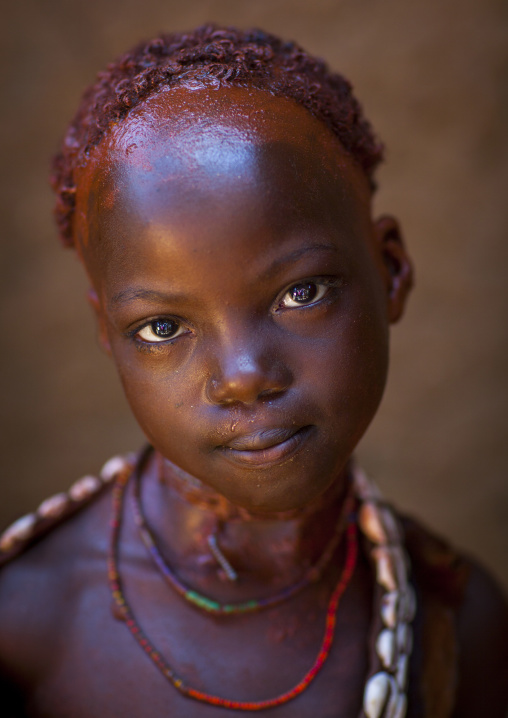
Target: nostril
243 389
245 372
246 387
272 391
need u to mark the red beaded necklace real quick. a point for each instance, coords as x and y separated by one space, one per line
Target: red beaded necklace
126 612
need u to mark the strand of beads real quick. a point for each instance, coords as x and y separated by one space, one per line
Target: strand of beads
385 691
160 662
312 575
56 508
395 604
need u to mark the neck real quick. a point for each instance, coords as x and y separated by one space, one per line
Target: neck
265 550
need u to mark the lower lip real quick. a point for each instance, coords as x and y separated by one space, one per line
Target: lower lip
272 454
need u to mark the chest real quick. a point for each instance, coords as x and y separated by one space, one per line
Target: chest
96 667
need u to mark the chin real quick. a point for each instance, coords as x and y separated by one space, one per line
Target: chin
286 495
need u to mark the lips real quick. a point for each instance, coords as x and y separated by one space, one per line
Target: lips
266 446
263 439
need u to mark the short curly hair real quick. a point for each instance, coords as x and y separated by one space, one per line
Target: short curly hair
209 54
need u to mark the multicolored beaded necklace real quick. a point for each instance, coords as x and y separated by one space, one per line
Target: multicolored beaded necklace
394 599
311 576
126 611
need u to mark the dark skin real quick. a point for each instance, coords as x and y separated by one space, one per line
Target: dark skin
175 210
245 293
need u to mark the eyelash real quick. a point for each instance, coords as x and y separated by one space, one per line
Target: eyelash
153 344
323 285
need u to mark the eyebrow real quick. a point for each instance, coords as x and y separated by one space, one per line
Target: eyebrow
280 263
131 295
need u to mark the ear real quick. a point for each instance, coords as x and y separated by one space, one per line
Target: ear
94 302
399 269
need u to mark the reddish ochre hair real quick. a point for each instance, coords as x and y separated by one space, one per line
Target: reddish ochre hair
208 55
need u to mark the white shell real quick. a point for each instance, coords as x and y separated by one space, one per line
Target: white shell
365 488
408 605
402 671
404 638
389 607
85 487
391 525
53 507
20 530
370 522
385 648
378 524
393 701
401 563
391 564
386 573
377 693
113 467
401 707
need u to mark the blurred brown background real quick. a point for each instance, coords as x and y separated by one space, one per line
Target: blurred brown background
432 75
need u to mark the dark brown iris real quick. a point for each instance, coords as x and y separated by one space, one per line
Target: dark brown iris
164 328
303 292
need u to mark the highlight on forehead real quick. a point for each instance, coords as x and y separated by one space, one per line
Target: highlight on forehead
208 55
216 130
180 143
178 130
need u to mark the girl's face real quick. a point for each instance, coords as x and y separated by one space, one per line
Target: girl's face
241 287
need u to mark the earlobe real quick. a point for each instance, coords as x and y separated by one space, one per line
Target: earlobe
397 264
94 302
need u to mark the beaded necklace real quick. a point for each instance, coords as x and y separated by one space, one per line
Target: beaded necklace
311 576
168 672
394 605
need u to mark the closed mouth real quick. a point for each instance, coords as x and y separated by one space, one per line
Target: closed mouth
266 446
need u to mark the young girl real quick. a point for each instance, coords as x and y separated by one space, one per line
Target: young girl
217 186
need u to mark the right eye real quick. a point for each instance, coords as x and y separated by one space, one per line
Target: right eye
160 330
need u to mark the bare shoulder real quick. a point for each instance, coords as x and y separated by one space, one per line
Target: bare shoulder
40 587
51 562
483 644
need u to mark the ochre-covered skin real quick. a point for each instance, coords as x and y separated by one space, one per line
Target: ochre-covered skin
210 218
204 210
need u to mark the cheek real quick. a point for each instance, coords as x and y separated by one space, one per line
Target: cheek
349 369
339 374
368 361
160 394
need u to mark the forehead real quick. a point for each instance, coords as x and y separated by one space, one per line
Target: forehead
208 150
215 129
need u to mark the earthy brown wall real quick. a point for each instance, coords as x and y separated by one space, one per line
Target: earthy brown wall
432 75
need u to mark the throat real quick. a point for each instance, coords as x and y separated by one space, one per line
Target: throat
209 544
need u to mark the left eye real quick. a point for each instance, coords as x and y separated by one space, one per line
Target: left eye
303 294
160 330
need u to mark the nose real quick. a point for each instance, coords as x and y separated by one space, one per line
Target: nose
243 374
